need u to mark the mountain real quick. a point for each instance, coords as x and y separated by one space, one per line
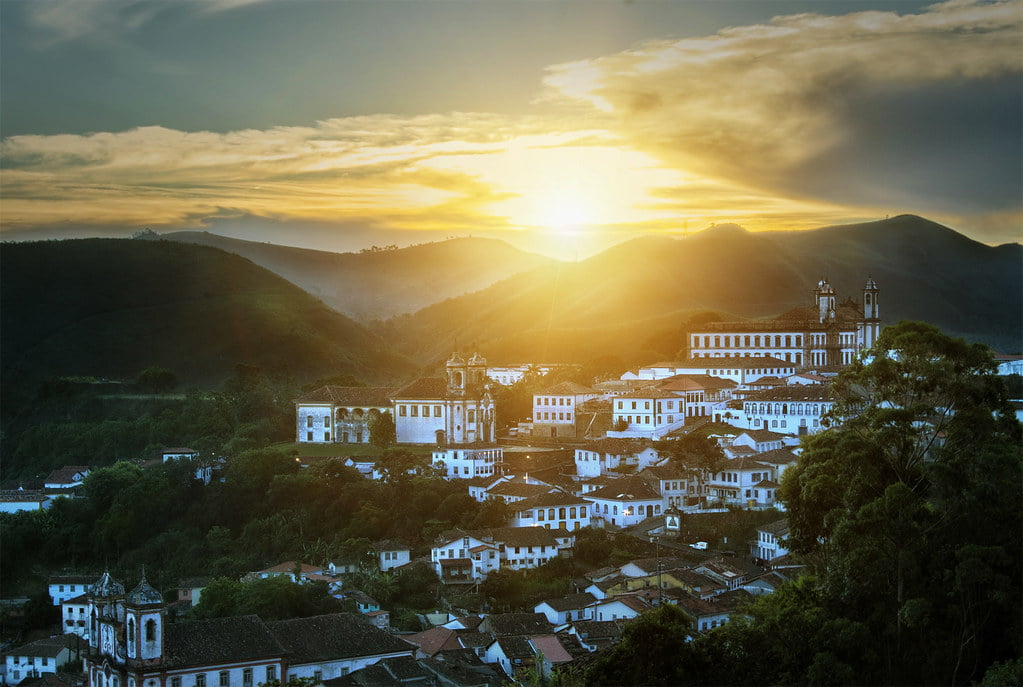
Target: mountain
110 308
637 296
377 284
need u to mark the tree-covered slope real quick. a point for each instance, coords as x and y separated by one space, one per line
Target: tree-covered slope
377 284
639 294
109 308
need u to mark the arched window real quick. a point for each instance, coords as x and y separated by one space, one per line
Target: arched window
150 630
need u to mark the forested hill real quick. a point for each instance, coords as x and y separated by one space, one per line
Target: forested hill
110 308
639 295
377 284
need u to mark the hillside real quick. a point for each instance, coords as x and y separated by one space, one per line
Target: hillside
637 295
375 285
109 308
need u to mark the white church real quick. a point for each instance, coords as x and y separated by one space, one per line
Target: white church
457 409
827 334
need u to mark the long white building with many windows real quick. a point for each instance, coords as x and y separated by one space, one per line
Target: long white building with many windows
827 334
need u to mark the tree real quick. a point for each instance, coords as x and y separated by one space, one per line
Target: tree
895 507
382 432
156 380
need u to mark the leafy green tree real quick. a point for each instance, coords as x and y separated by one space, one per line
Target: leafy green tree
695 455
895 508
382 432
156 380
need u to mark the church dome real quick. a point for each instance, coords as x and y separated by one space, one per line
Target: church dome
107 586
143 594
456 360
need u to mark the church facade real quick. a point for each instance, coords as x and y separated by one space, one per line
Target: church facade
453 410
132 644
828 334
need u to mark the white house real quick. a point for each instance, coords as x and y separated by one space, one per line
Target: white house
553 510
41 656
74 615
770 542
625 502
554 409
567 609
736 481
19 500
619 607
788 410
64 587
468 462
66 477
648 413
392 554
597 458
461 556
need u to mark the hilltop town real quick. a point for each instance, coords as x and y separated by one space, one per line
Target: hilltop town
433 540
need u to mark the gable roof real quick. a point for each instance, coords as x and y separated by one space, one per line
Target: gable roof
796 392
615 446
552 499
433 640
632 488
334 636
424 388
566 388
746 363
220 640
516 624
551 648
66 474
570 602
363 396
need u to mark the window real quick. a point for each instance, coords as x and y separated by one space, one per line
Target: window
308 436
326 422
436 411
415 411
426 411
150 630
175 682
271 673
246 677
309 421
318 676
225 679
200 680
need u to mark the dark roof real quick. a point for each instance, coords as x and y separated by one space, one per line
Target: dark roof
808 392
519 489
615 446
633 488
649 392
362 396
522 536
425 388
508 624
566 388
762 435
221 640
571 601
778 456
88 579
722 362
66 474
695 382
779 528
515 647
549 499
334 636
433 640
48 647
597 629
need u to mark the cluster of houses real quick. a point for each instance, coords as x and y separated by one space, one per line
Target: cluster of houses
124 638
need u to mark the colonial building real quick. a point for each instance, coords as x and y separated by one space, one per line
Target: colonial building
132 644
458 410
431 410
340 414
788 410
554 409
469 462
826 334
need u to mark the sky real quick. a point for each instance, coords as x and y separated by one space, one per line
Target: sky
561 126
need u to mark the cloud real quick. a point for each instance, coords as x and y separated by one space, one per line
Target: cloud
384 169
872 109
